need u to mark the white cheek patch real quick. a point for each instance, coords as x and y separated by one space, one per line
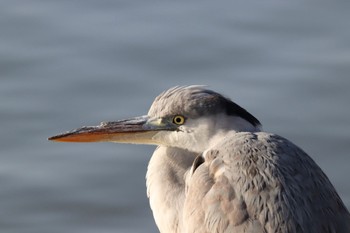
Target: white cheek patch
184 129
172 138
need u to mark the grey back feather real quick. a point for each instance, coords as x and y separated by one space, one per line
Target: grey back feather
260 182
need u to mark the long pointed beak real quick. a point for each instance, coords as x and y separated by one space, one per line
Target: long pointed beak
139 130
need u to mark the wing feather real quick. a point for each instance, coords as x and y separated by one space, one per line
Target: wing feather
261 183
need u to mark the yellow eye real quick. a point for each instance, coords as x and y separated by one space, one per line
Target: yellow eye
179 120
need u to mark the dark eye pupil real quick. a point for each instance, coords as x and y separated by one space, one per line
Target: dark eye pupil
179 120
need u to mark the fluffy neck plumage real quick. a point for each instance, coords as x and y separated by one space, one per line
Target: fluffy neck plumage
166 186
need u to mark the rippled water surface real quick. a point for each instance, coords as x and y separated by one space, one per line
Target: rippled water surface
64 64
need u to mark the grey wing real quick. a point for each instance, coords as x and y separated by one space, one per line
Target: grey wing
261 183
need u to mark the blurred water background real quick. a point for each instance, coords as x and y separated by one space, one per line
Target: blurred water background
65 64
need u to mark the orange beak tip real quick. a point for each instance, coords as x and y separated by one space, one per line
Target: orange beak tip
60 138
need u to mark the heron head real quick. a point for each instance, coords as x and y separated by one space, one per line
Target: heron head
188 117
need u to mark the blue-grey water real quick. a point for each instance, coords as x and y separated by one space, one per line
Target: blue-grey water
65 64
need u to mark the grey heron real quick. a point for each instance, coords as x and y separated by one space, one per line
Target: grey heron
215 170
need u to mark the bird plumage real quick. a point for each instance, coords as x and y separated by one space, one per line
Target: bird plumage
248 181
260 182
214 171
